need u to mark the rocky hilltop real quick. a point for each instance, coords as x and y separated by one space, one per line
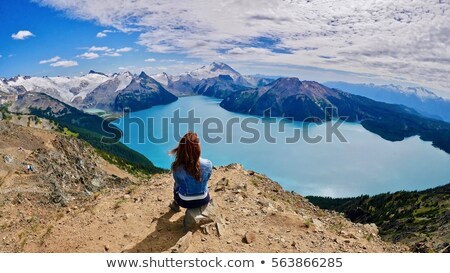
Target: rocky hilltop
75 201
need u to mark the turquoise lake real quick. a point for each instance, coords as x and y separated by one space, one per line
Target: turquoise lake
365 164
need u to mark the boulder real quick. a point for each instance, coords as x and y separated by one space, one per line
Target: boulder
249 237
222 184
196 217
7 159
372 228
422 247
234 166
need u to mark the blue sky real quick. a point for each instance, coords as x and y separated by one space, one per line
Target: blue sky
55 34
403 42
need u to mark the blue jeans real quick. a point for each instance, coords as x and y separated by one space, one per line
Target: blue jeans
190 204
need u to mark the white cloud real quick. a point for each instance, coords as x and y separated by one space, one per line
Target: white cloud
124 49
64 64
150 60
22 35
99 48
389 39
249 50
130 67
172 61
101 35
112 54
51 60
107 51
89 55
1 56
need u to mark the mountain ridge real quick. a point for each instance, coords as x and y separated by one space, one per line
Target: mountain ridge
419 98
99 90
314 102
285 97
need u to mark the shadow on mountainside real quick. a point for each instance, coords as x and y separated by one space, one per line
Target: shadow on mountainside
164 236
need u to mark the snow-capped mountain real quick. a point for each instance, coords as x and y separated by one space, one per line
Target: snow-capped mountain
214 70
67 89
4 86
99 90
94 90
162 78
103 95
419 92
123 79
187 83
258 81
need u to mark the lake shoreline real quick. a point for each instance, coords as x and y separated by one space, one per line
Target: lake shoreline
335 162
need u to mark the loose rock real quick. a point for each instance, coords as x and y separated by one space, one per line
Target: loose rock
249 237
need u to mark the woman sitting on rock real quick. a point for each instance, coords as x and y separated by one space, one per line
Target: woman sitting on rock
191 174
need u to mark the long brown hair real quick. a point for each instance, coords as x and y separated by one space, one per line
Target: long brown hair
188 154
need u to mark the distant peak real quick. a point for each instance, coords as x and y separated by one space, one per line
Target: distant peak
290 84
143 75
418 91
98 73
127 73
214 70
223 66
289 80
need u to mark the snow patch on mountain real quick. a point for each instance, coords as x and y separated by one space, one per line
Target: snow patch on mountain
162 78
65 88
214 70
124 79
417 91
4 87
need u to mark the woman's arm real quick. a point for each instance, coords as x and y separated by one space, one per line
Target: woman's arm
175 183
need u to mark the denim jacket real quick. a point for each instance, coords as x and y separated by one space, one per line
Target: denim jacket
186 185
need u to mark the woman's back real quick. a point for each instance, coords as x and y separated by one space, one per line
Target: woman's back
191 174
187 185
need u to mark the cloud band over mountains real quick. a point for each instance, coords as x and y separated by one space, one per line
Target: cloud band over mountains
403 40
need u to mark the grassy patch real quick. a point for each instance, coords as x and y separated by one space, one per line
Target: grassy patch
118 204
69 133
45 235
308 222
